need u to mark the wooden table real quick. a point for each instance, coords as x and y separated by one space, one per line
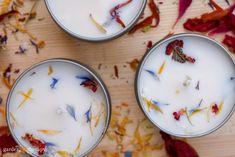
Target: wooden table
117 52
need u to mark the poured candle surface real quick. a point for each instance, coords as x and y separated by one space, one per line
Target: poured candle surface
187 94
74 15
55 103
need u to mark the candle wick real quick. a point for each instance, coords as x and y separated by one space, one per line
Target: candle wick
187 81
59 111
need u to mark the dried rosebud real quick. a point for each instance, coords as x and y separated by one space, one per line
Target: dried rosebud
176 115
215 109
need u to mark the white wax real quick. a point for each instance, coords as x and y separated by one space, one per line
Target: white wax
74 15
213 68
46 110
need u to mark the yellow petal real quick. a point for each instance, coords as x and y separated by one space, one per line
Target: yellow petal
50 132
3 112
196 111
50 70
90 126
220 107
26 97
148 103
14 123
161 68
64 153
78 146
208 112
147 138
98 26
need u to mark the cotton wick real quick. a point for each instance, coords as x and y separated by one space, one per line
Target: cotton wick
59 111
187 81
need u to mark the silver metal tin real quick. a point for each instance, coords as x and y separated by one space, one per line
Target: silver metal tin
111 37
140 68
80 65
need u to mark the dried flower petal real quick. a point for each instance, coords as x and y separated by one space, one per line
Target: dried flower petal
7 76
2 112
179 113
152 105
148 21
153 74
219 21
230 42
116 73
176 47
40 145
50 70
162 67
26 97
98 26
88 83
7 14
64 153
183 6
178 148
78 146
54 82
49 132
71 110
114 12
134 64
149 45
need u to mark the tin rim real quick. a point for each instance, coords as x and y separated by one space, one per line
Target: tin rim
110 37
140 67
80 65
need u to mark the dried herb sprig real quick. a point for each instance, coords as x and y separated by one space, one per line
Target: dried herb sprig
176 49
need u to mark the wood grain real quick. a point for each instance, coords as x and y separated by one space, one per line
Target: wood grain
117 52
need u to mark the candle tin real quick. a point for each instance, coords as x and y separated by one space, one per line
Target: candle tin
141 68
100 39
79 65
